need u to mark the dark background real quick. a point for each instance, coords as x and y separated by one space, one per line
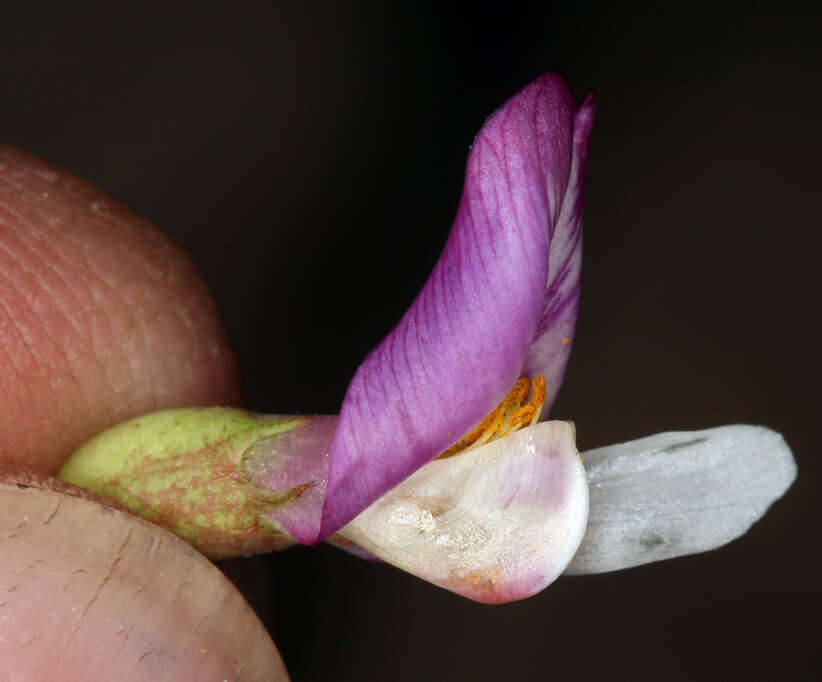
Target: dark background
310 158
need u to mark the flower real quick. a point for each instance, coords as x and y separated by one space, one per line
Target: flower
502 513
501 303
495 318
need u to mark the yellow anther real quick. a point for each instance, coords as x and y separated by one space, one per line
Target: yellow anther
521 417
488 425
519 393
539 397
512 414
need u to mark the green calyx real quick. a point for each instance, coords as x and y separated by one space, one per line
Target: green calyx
182 469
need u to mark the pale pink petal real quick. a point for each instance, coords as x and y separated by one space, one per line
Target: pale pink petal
495 524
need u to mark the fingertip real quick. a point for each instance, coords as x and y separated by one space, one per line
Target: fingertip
91 592
102 317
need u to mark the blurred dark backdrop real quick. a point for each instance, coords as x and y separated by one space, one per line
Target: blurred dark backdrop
310 158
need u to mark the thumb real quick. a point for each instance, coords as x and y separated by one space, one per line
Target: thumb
102 317
93 593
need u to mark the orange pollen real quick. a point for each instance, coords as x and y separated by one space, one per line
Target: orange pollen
512 414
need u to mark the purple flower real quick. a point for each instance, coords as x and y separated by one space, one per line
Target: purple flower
503 512
493 324
501 303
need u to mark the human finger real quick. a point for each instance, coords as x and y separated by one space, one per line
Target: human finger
91 592
102 317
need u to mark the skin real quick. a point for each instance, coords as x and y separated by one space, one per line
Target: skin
102 318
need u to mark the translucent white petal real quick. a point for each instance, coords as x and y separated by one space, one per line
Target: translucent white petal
494 524
679 493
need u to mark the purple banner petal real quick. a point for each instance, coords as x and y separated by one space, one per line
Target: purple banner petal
550 350
463 342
